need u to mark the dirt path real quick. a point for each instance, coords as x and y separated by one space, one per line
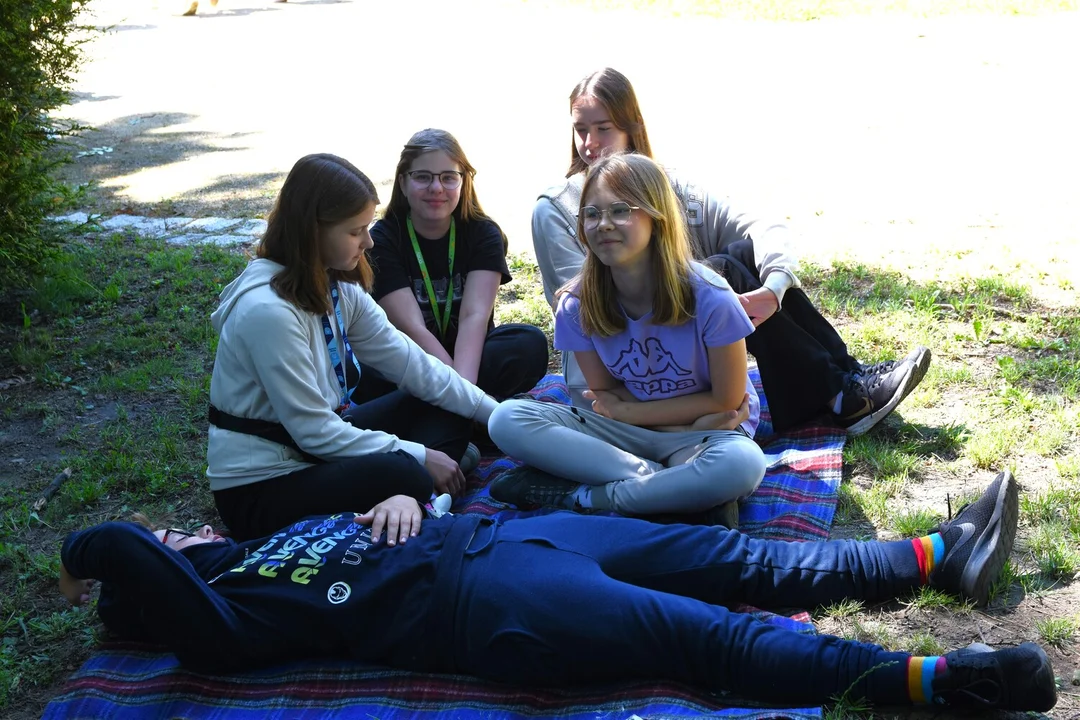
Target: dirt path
881 132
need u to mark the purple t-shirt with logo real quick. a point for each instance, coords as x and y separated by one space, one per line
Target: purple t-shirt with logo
664 361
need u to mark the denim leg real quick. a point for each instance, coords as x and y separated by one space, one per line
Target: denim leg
533 613
720 566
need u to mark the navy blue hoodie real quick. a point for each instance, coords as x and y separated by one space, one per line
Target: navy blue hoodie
317 588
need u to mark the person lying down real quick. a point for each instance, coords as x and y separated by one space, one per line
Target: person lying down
557 600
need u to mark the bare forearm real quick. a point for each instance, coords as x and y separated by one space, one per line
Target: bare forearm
676 411
469 347
429 343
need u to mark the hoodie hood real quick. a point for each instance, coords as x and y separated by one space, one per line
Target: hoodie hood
257 274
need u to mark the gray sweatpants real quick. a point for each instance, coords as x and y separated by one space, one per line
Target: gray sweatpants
634 471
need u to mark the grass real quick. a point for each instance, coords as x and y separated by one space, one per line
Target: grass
928 598
117 342
1058 632
119 347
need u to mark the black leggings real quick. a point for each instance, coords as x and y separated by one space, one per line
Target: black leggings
354 485
802 359
514 359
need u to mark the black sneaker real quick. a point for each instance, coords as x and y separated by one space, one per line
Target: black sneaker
726 515
919 357
527 485
978 541
978 677
868 399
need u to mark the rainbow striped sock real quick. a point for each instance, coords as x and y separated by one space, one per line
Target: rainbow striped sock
921 672
929 552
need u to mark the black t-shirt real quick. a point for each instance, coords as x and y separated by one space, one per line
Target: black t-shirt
478 246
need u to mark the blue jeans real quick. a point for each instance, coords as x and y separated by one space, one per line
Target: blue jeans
568 599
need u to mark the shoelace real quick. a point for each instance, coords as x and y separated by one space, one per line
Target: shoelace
881 368
872 381
971 691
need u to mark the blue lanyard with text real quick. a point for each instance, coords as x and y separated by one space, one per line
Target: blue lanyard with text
331 346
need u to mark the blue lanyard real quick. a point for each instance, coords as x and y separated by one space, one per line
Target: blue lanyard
331 346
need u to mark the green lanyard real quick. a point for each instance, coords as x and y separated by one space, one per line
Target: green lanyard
442 322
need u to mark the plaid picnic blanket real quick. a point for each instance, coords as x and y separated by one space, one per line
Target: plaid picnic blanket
123 681
796 500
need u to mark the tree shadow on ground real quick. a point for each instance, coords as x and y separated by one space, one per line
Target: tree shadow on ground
150 142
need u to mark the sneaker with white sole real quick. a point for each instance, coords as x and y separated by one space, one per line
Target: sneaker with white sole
868 397
919 357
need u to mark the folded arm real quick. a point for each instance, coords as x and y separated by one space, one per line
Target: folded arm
727 372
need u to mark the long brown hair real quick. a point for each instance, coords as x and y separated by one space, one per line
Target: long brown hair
430 140
639 181
612 90
321 191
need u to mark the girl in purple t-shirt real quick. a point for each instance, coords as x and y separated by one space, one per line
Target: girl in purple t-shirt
660 341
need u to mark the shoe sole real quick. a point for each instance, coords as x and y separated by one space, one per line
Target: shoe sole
922 364
993 546
1043 678
881 413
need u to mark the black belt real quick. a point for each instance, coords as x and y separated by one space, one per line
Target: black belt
272 431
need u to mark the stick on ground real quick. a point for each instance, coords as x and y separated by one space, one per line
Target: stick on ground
51 490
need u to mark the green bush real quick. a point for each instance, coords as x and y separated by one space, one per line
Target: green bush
40 50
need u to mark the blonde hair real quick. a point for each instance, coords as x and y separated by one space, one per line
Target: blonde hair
639 181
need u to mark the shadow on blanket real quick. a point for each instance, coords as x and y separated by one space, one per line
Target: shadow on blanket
796 501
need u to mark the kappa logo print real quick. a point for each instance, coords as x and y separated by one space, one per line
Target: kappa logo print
639 361
652 359
338 593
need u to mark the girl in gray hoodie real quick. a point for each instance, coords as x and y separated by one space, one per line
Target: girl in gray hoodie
295 330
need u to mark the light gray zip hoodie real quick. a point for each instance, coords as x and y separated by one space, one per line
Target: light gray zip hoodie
713 225
272 364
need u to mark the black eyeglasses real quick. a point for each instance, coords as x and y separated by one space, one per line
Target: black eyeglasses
619 212
449 179
175 531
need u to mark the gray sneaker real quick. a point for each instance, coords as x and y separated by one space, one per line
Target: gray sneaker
470 460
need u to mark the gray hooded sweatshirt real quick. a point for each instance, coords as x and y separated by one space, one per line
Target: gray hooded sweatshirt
272 364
